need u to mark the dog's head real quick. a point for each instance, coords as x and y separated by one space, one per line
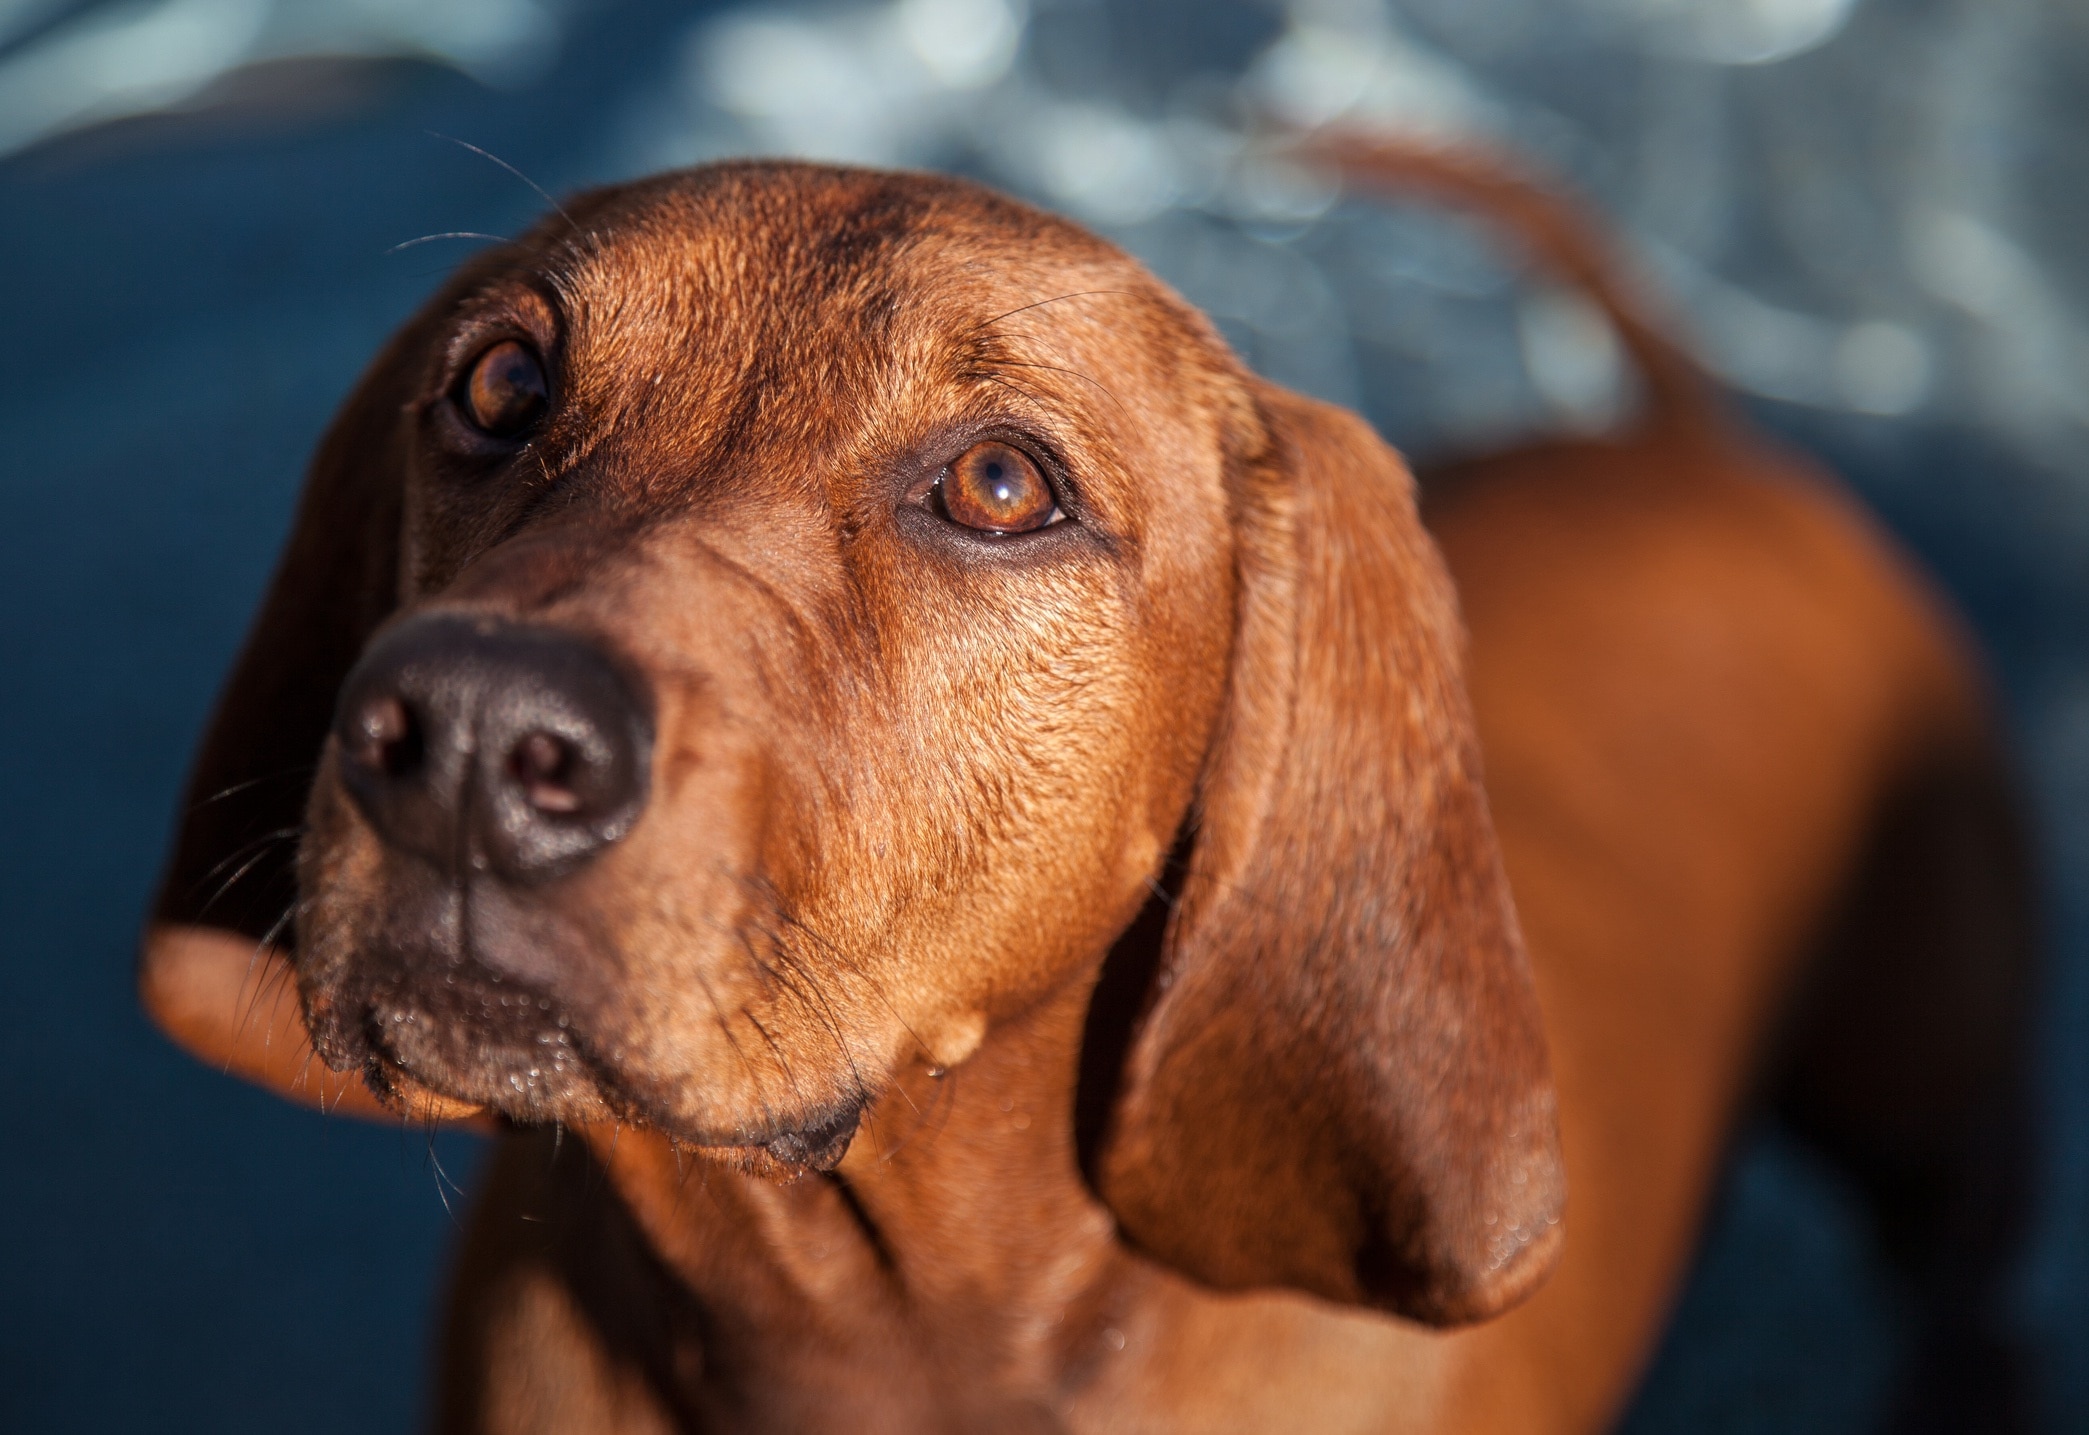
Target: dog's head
773 622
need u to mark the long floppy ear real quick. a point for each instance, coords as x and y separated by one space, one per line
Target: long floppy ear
1341 1085
209 972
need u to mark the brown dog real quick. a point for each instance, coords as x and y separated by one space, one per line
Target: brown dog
833 675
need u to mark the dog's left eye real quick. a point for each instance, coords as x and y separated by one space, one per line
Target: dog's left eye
505 391
995 488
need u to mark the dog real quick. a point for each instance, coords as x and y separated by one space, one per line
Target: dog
943 821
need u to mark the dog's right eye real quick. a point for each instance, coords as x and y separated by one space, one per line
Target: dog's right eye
505 390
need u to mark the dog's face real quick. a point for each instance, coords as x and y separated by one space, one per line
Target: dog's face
773 623
815 607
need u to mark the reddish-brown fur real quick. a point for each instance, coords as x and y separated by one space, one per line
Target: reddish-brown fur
912 794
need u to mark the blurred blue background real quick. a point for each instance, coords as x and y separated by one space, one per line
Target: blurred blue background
1866 213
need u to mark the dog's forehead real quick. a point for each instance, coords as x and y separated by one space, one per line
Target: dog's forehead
804 289
715 319
786 254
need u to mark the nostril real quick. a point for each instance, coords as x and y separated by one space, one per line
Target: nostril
385 737
544 766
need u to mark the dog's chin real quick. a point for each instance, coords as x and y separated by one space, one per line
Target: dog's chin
414 1055
535 1071
413 1099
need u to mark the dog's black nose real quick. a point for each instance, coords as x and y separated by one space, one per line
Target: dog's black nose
480 744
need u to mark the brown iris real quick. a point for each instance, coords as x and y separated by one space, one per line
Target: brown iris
505 392
997 489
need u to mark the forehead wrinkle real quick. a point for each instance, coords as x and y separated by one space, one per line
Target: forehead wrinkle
756 332
1117 331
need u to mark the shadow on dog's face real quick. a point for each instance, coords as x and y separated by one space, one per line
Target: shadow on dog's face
816 592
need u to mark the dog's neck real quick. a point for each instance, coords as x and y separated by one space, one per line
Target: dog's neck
972 1179
957 1235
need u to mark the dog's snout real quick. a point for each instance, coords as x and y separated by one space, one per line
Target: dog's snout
484 745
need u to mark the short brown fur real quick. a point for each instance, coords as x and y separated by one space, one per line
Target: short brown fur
912 792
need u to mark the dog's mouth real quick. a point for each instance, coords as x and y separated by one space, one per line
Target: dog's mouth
530 1065
469 1037
432 1016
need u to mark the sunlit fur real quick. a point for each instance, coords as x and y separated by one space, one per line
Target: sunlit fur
1105 926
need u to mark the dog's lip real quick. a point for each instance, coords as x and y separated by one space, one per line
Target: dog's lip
794 1151
819 1146
447 1006
780 1146
399 1088
471 974
512 1070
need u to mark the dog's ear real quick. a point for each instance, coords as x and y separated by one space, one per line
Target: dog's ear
1341 1083
231 881
337 580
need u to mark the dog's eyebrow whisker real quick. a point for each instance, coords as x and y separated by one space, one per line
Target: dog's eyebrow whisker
1060 369
446 234
1015 386
562 271
542 193
1055 299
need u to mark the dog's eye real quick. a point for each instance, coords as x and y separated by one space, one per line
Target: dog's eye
997 489
505 392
